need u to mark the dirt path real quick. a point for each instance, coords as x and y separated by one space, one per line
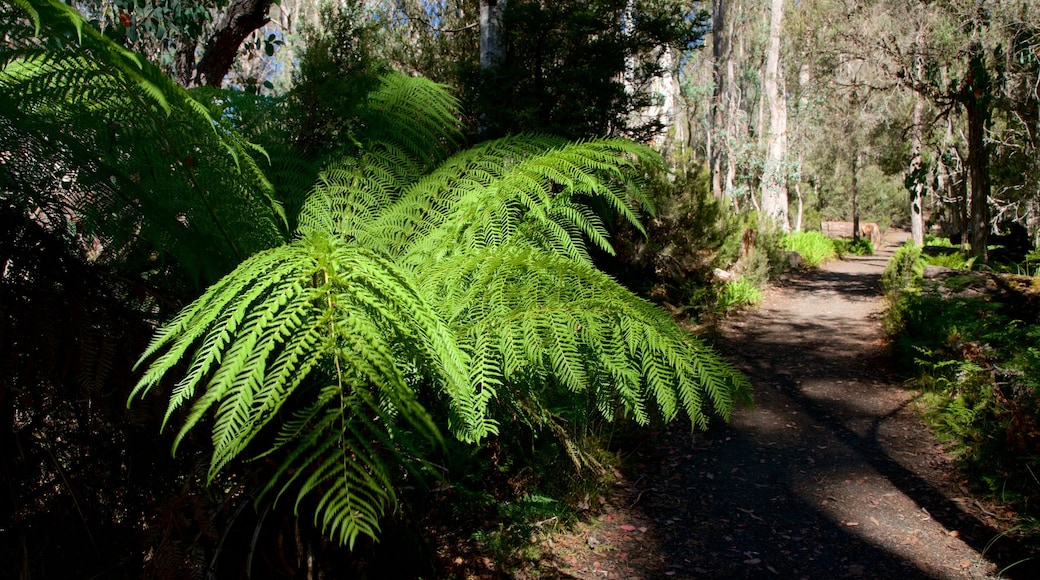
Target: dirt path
831 475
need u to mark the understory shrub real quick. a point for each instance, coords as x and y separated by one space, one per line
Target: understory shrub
977 361
738 294
814 247
690 235
857 247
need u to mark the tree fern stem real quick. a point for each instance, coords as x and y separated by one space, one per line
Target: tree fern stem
339 370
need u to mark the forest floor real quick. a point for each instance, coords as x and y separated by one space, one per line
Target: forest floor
832 474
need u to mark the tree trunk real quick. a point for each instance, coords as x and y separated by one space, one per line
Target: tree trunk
975 97
801 203
492 44
184 61
720 56
855 195
242 18
774 177
915 178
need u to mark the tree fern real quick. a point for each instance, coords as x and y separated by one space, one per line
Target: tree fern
520 309
527 189
332 329
461 309
421 286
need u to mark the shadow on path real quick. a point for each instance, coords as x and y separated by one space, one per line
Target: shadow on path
830 475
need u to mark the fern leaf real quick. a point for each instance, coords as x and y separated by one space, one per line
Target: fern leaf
551 315
272 329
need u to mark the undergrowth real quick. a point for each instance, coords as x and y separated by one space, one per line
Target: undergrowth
976 358
856 247
814 247
737 294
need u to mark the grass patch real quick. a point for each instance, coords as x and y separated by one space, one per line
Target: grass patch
814 247
857 247
738 294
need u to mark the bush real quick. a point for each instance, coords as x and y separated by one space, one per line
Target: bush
814 247
737 294
977 361
690 235
857 247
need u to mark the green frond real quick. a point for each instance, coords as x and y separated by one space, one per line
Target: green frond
33 14
535 188
144 167
319 311
414 114
528 309
352 193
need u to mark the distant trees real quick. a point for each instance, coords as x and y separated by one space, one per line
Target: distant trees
943 86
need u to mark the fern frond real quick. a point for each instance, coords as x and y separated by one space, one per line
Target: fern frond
319 310
143 162
535 188
528 309
413 114
352 193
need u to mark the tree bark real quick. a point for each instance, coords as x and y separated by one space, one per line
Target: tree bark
855 194
720 50
975 98
242 18
915 178
492 44
774 176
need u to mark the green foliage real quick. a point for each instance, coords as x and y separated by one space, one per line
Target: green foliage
900 280
690 235
337 71
857 247
418 295
518 305
953 261
814 247
738 294
149 174
566 65
904 269
976 360
423 293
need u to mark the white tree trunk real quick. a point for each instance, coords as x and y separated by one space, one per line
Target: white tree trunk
720 52
915 179
774 175
492 44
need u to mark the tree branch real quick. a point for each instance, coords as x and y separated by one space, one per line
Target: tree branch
242 18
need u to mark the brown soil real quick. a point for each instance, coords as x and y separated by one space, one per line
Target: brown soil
831 474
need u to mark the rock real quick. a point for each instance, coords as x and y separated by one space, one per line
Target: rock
723 275
932 272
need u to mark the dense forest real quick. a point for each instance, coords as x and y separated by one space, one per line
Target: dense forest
375 268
